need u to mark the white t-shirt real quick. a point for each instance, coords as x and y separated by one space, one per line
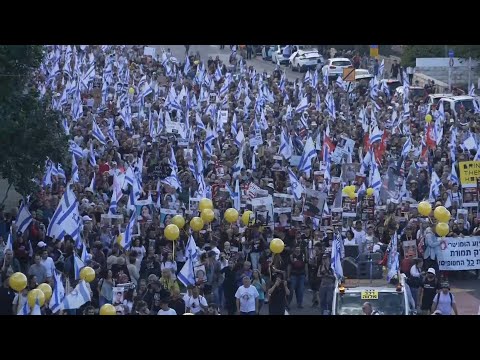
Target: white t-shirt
168 312
445 303
194 304
247 298
23 300
49 265
349 242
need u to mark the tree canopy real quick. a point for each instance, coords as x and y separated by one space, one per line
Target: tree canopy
30 130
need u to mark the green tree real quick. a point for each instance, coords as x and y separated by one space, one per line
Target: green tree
411 52
30 130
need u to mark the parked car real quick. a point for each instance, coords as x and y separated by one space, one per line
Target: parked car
433 99
392 84
303 60
335 66
280 59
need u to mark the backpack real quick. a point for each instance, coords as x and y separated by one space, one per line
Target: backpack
438 300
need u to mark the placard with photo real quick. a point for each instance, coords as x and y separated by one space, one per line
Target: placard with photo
314 203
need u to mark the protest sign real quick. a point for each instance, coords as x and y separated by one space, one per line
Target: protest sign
314 203
469 172
460 254
263 210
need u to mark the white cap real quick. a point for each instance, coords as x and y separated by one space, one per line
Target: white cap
431 270
86 218
41 244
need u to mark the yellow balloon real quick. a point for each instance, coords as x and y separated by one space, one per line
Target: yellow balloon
35 294
179 221
246 217
207 216
370 191
231 215
196 224
428 118
442 214
46 289
108 309
18 281
424 208
442 229
352 195
172 232
277 246
87 274
131 90
205 204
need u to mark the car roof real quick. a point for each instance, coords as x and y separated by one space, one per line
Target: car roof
339 59
436 96
301 52
459 98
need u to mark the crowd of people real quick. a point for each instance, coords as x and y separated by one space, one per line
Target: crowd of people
151 135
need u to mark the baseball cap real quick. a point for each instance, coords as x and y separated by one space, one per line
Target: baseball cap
431 270
41 244
86 218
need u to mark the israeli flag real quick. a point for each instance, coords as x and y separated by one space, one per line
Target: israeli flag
471 92
112 209
239 165
25 308
381 69
286 145
309 153
78 297
66 219
297 188
453 175
187 66
187 275
127 236
91 156
36 309
56 302
24 218
435 183
406 147
325 78
375 135
308 77
302 106
315 79
240 138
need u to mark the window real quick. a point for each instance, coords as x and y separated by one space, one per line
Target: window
341 63
388 303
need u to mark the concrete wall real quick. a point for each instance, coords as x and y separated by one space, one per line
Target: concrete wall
437 68
13 196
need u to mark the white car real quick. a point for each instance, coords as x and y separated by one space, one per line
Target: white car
303 60
280 59
335 66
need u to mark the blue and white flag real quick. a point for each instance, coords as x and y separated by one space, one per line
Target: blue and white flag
239 165
91 156
471 92
24 218
309 153
435 183
315 79
187 275
47 178
330 102
66 219
56 302
36 309
302 105
325 78
406 147
60 172
78 297
112 209
187 66
25 309
75 149
286 146
98 134
9 245
335 256
297 188
381 69
308 77
127 237
240 138
199 123
453 177
78 265
375 135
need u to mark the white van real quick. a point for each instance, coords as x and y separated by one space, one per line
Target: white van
455 104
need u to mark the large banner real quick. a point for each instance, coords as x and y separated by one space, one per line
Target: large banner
460 254
469 172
